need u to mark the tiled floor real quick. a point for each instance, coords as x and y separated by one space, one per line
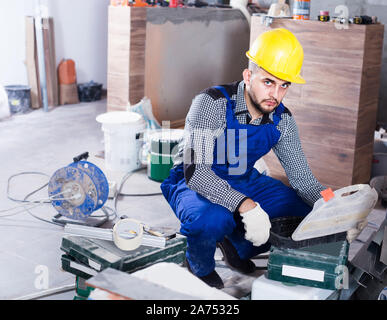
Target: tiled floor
29 248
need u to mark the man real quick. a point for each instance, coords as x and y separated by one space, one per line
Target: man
226 200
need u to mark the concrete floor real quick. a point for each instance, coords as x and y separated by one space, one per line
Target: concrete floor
44 142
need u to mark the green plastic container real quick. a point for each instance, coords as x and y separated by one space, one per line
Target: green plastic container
159 166
320 266
96 255
163 147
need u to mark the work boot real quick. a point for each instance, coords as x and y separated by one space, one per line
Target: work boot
212 279
232 258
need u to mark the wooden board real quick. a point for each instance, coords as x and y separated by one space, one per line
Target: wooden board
50 61
126 56
336 109
32 64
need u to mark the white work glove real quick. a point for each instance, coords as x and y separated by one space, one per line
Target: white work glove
352 234
257 225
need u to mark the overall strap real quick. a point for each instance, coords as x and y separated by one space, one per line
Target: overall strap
224 92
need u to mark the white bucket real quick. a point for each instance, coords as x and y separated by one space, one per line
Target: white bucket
123 141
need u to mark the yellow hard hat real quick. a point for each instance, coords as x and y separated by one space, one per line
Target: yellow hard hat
278 52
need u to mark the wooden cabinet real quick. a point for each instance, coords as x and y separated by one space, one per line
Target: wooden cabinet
336 109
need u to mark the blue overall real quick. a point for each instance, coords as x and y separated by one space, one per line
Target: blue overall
204 223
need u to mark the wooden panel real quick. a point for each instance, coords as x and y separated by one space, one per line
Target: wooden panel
136 90
126 56
118 57
137 55
374 45
323 82
50 62
327 125
363 164
117 91
330 164
32 63
366 124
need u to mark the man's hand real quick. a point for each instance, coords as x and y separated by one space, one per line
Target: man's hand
256 222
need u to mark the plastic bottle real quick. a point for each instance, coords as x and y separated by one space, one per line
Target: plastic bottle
301 9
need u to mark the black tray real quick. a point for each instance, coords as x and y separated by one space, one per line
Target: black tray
283 227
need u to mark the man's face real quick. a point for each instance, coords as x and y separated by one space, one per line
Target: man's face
264 90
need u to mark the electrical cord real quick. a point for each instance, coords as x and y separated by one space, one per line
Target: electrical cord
40 202
35 203
119 193
24 173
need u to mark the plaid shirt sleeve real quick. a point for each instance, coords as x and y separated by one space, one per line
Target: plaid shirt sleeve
206 121
292 158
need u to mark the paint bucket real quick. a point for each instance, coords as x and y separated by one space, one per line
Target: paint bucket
123 133
301 9
164 146
19 98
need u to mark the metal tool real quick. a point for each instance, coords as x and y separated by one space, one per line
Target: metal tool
347 207
127 234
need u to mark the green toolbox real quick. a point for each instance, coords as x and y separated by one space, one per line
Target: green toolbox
321 266
82 289
85 257
70 264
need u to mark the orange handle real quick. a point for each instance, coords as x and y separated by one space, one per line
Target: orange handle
327 194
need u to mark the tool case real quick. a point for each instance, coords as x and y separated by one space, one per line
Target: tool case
85 257
320 266
317 262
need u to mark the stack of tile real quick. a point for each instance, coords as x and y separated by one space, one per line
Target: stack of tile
86 257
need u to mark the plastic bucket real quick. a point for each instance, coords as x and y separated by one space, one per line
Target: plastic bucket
123 133
19 98
301 9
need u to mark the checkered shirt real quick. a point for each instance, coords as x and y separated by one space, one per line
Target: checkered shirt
208 112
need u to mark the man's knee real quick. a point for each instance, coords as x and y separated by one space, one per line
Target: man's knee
214 222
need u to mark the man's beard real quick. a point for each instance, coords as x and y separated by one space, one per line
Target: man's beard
259 107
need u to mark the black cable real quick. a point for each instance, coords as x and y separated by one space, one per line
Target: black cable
134 194
40 188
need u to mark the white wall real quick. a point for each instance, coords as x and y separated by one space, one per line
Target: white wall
80 34
12 40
